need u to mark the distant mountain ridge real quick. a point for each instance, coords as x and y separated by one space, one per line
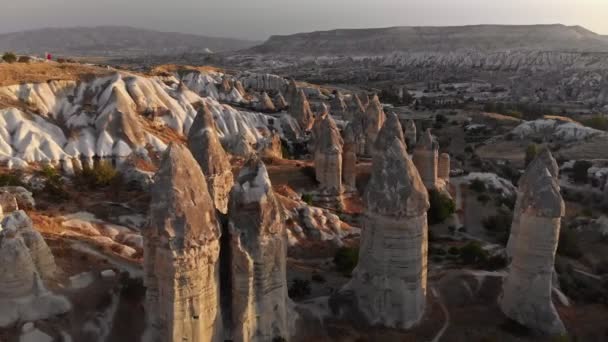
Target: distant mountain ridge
482 38
114 41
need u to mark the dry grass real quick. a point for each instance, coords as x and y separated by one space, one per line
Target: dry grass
165 69
38 72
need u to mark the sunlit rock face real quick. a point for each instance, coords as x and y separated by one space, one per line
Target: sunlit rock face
426 155
328 155
349 159
210 155
181 252
258 248
374 120
26 261
543 161
389 284
527 289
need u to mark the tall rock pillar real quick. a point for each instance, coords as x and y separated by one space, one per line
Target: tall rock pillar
526 296
328 156
389 284
181 252
258 249
211 157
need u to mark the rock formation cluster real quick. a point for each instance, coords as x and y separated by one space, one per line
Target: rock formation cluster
300 109
389 284
210 155
260 307
181 254
527 289
426 154
26 262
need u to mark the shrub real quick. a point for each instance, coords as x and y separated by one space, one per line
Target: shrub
568 244
579 171
101 175
10 179
483 198
24 59
441 207
501 222
309 171
307 198
477 185
473 253
53 184
9 57
299 288
597 122
346 259
318 278
441 118
531 153
454 251
495 262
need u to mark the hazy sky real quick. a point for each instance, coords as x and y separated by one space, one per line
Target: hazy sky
258 19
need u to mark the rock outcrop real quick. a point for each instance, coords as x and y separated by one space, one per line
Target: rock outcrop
527 289
210 155
258 248
425 157
349 159
374 119
266 104
26 260
181 254
410 133
328 156
389 284
355 109
279 102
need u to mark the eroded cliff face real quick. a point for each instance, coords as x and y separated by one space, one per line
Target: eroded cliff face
181 252
260 307
389 284
527 289
206 148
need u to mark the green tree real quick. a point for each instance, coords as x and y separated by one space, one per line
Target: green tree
442 206
579 171
9 57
